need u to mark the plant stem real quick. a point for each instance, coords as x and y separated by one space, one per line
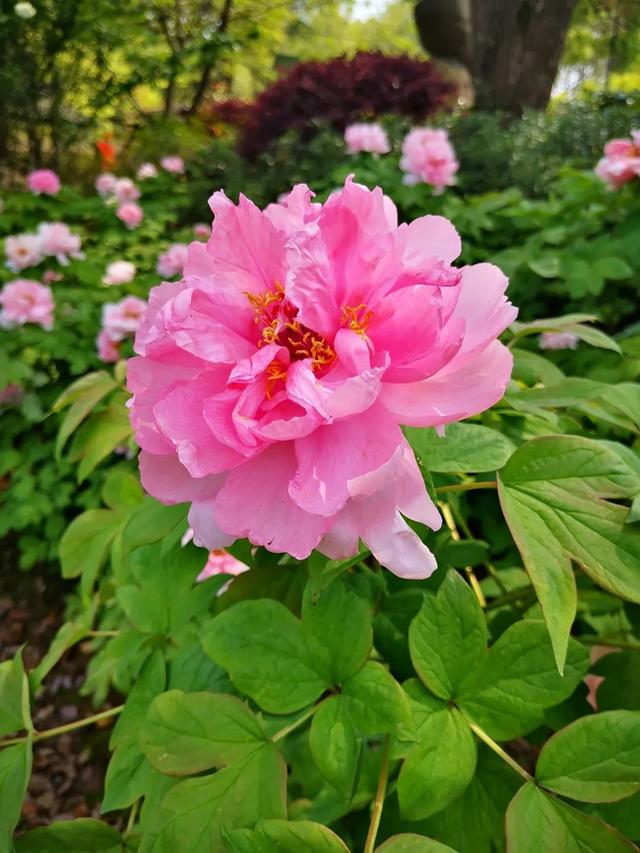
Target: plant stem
68 727
133 814
376 810
473 580
103 633
612 642
293 726
514 595
499 751
467 487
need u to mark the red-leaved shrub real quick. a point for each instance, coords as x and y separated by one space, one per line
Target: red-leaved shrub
341 91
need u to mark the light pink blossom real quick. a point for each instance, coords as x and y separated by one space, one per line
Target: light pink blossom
106 184
108 350
22 251
26 301
271 382
119 272
428 157
57 241
131 214
621 161
366 137
172 261
121 319
51 276
43 182
221 562
558 340
11 394
202 231
174 165
146 170
125 190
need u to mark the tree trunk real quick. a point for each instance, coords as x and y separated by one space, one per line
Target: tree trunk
511 47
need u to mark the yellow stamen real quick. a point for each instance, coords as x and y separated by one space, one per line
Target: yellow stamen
356 318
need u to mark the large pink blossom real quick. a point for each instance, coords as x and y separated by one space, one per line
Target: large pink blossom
108 350
125 190
119 272
121 319
428 157
22 251
621 161
271 382
130 213
43 182
106 184
173 164
172 261
26 301
366 137
57 241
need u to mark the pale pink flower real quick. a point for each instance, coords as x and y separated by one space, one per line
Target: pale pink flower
202 231
366 137
271 383
22 251
11 394
221 562
174 165
57 241
51 276
125 190
558 340
146 170
428 157
106 184
26 301
172 261
108 350
119 272
121 319
43 181
130 213
621 161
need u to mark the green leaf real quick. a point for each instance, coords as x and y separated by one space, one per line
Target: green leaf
194 812
267 655
334 745
84 546
508 692
322 571
99 436
186 733
15 770
464 447
67 636
546 266
595 759
82 396
448 637
340 620
83 835
152 522
550 324
15 714
377 703
553 494
289 836
121 490
621 685
537 822
439 767
407 842
594 337
613 268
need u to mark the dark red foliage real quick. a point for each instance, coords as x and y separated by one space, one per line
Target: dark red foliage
234 112
342 91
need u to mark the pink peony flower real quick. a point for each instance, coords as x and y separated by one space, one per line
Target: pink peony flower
366 137
121 319
106 184
146 170
119 272
11 394
26 301
271 383
172 261
125 190
621 161
43 181
174 165
22 251
108 350
51 276
130 213
57 241
558 340
428 157
202 231
221 562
